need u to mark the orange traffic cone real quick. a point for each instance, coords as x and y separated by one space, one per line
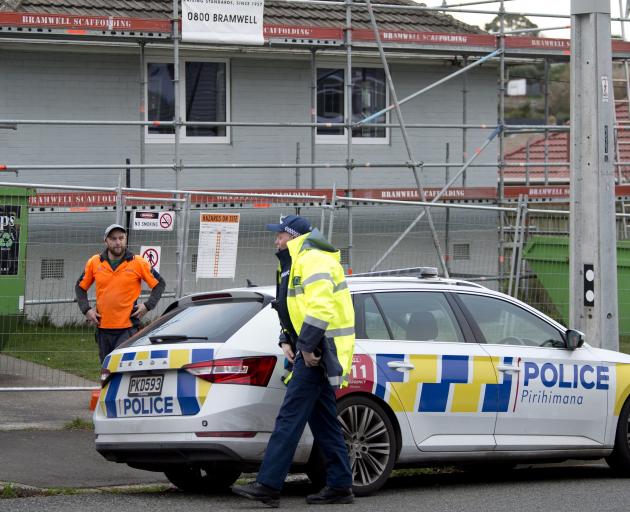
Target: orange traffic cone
96 393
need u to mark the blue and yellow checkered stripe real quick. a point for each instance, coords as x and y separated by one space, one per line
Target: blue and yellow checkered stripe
191 391
443 383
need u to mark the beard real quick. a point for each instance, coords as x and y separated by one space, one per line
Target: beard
117 251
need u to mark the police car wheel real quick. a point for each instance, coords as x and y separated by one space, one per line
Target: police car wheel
205 479
619 459
371 442
372 446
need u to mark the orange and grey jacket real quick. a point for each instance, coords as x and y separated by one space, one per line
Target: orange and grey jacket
117 291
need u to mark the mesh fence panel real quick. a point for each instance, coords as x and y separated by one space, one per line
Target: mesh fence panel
45 341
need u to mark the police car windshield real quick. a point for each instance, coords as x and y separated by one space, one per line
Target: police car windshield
210 322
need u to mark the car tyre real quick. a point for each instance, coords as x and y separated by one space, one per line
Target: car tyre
205 479
619 459
371 441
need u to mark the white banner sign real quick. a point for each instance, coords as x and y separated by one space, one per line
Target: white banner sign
218 244
223 21
153 221
153 254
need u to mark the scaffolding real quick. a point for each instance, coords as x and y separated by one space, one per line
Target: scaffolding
497 48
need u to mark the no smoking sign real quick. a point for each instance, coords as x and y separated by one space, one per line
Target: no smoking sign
153 221
152 254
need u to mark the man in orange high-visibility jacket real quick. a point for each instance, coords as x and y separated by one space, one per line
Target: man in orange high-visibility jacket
118 274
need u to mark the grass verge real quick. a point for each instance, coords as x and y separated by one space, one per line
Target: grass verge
71 349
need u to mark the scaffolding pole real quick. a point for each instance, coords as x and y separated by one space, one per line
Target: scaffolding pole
416 174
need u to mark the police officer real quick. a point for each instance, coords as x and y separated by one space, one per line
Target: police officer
118 274
317 318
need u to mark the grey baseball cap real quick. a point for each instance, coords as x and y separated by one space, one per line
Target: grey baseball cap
111 228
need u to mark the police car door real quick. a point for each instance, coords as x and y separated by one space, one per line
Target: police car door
553 397
425 369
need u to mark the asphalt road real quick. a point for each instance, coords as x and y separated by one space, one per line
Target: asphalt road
557 489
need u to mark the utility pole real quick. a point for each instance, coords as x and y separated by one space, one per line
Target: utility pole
593 245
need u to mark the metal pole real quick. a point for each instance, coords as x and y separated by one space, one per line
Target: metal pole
313 115
435 199
331 219
119 199
501 122
405 137
348 116
127 185
519 246
428 87
546 120
297 161
527 160
447 221
143 103
593 251
517 226
183 248
464 118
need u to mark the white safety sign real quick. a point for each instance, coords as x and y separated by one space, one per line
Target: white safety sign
153 254
153 221
223 21
218 244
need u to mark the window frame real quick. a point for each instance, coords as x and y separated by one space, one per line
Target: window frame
459 318
342 139
169 138
481 339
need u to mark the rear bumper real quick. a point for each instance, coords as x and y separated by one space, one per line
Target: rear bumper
140 454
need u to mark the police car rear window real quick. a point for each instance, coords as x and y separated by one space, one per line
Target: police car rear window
212 322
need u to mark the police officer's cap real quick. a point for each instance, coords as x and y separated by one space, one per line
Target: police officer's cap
292 224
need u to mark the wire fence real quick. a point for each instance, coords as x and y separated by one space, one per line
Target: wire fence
45 341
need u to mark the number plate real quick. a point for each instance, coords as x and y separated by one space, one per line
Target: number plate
145 385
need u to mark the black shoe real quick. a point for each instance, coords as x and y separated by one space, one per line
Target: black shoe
331 495
258 492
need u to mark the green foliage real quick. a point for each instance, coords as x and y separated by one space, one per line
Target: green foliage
512 22
79 424
8 492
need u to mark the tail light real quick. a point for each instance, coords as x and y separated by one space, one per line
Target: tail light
105 376
251 371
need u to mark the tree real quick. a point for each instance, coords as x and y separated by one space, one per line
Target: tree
512 22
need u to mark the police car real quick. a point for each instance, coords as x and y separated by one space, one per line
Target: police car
444 371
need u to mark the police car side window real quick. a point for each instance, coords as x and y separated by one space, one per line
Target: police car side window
419 316
375 328
502 322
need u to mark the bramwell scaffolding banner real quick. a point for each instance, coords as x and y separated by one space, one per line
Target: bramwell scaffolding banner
223 21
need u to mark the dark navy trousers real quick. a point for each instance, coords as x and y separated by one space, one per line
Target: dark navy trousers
310 399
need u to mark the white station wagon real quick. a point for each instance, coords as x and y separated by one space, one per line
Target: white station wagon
444 372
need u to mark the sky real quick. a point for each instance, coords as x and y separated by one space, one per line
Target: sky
533 6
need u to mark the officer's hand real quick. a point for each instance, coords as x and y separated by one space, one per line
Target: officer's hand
141 310
310 359
288 353
93 317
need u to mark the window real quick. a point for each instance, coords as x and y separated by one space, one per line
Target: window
204 98
502 322
216 322
193 263
52 268
461 251
369 95
406 316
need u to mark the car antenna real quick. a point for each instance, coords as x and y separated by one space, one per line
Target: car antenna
250 284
